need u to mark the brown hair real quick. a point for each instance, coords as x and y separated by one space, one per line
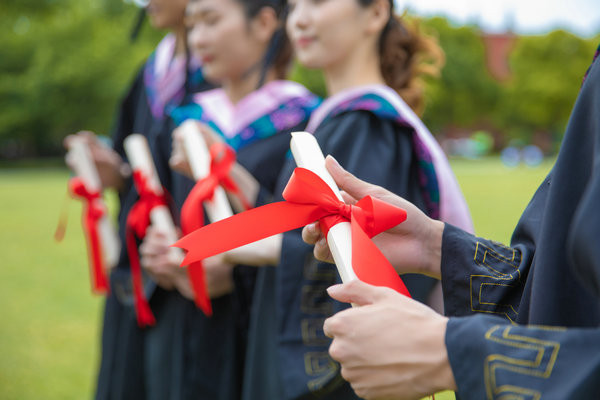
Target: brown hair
406 56
279 52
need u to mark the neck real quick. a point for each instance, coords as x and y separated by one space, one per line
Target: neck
237 89
359 68
180 39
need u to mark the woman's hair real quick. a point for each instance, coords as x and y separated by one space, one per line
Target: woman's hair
279 51
406 56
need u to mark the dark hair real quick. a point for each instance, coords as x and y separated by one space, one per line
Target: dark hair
406 55
279 51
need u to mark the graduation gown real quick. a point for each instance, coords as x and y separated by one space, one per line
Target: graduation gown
127 356
373 134
526 318
258 128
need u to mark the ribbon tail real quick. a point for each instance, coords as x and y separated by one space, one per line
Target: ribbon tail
240 196
192 215
244 200
230 186
247 227
196 275
370 265
99 279
142 308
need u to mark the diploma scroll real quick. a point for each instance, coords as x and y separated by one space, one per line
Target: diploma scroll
81 158
199 158
140 158
308 155
311 195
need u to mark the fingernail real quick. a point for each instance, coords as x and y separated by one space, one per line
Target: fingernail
334 289
334 160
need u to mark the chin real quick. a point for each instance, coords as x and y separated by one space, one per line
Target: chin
310 62
211 73
158 23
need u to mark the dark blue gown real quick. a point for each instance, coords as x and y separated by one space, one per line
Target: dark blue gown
130 360
217 346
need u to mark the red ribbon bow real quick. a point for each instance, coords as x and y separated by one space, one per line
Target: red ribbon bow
308 198
192 212
93 211
138 221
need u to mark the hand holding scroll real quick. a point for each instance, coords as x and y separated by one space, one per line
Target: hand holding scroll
112 170
163 267
159 262
180 162
390 346
179 159
411 247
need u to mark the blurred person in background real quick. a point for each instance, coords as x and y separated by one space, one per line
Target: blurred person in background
243 47
130 355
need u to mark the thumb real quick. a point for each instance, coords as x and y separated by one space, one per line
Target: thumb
345 180
357 292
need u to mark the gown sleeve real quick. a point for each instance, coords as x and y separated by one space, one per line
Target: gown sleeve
483 276
582 243
493 359
583 239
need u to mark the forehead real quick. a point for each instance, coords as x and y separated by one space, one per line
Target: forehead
203 6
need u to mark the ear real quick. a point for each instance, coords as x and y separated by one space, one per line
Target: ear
379 15
264 24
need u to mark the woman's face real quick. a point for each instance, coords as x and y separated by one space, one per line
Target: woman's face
221 35
325 32
166 14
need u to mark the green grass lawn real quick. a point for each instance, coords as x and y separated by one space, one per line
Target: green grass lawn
49 336
497 195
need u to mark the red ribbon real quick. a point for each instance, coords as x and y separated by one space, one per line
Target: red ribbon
308 198
93 211
192 212
138 221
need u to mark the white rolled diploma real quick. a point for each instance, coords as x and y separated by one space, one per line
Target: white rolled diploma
199 158
140 159
308 155
81 158
218 208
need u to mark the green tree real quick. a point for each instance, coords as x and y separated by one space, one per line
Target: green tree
465 93
547 73
64 64
63 67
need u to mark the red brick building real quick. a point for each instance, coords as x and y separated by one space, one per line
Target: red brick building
498 48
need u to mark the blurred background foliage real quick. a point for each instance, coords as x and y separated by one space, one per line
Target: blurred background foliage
546 72
64 64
